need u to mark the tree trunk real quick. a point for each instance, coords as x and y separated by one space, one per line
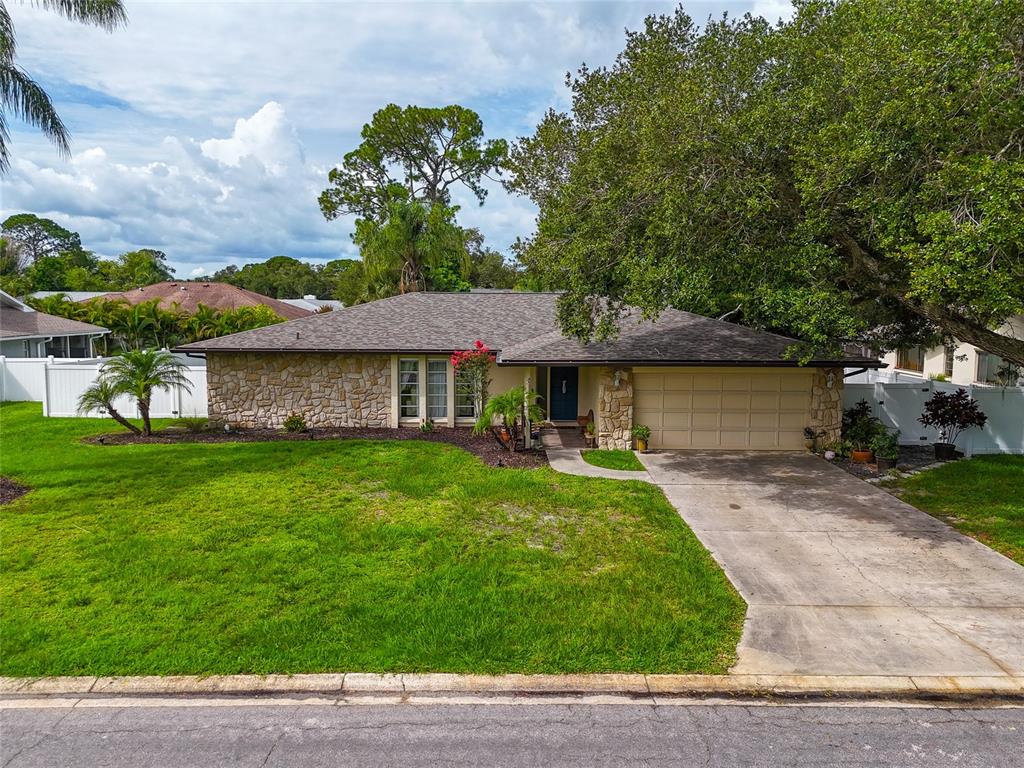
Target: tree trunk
122 420
147 428
948 321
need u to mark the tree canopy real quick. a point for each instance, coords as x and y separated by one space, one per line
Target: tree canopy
412 153
855 174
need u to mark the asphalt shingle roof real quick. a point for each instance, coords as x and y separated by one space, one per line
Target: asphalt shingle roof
522 327
15 324
188 296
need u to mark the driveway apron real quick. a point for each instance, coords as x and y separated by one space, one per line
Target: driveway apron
841 578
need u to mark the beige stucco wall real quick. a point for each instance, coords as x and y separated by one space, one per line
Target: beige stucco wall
256 389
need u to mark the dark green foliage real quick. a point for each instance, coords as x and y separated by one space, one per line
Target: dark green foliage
854 174
951 413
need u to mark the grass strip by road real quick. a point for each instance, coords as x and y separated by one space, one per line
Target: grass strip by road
325 556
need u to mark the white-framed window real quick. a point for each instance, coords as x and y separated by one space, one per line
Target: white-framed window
465 402
993 369
409 388
437 389
947 361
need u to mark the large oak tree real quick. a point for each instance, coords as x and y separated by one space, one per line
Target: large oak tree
853 174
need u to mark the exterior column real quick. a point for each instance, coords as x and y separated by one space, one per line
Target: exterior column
826 413
615 408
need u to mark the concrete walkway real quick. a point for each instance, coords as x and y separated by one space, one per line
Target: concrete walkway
563 446
842 578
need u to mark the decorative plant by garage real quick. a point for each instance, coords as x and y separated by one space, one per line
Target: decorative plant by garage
951 413
473 366
860 429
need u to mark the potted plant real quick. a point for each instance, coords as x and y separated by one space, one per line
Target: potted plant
642 434
810 438
509 409
859 429
951 413
589 433
886 446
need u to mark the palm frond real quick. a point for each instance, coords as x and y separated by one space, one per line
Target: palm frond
22 96
108 14
7 41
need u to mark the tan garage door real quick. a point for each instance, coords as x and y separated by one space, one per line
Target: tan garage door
688 408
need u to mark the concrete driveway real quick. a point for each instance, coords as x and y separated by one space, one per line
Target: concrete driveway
840 577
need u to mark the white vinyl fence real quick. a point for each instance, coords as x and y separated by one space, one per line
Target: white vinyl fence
899 405
59 382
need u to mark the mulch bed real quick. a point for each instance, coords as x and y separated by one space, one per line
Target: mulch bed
911 457
10 490
483 446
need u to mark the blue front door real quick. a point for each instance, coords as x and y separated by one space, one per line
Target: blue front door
564 394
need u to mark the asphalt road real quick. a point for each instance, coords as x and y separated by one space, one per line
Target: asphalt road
249 733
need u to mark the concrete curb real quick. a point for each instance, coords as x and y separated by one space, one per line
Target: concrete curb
637 685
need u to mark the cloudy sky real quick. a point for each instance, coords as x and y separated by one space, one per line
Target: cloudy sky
206 130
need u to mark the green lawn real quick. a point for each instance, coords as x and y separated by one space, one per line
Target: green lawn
339 555
613 459
982 497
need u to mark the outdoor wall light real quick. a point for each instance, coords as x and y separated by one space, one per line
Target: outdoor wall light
617 378
830 379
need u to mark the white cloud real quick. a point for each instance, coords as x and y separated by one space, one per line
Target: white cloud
207 129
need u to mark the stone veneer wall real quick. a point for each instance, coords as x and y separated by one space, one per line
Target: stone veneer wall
826 414
615 409
260 389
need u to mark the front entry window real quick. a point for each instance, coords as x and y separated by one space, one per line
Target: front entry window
437 389
409 388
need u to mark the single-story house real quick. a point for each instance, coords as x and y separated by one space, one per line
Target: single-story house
187 297
313 304
960 363
695 381
24 332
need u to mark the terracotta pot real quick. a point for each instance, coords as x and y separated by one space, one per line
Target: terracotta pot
862 457
945 451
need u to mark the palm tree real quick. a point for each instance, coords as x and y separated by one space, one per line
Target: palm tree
399 252
509 408
22 96
100 397
137 372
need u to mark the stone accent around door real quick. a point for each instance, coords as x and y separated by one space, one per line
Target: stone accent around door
615 409
826 413
261 389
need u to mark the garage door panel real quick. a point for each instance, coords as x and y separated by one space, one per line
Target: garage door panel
678 381
764 420
736 401
794 401
677 401
643 382
676 420
759 410
764 401
704 401
647 401
706 420
735 420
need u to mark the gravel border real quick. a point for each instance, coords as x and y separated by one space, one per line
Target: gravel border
484 447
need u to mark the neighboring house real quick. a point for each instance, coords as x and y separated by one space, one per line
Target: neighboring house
697 382
962 364
188 296
313 304
24 332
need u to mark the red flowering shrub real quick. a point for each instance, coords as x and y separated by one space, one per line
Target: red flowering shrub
472 366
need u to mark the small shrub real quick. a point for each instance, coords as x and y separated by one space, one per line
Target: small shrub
886 445
193 423
951 413
860 427
641 432
295 422
590 429
427 425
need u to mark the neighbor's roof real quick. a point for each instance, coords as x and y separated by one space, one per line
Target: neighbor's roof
19 324
188 297
521 327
